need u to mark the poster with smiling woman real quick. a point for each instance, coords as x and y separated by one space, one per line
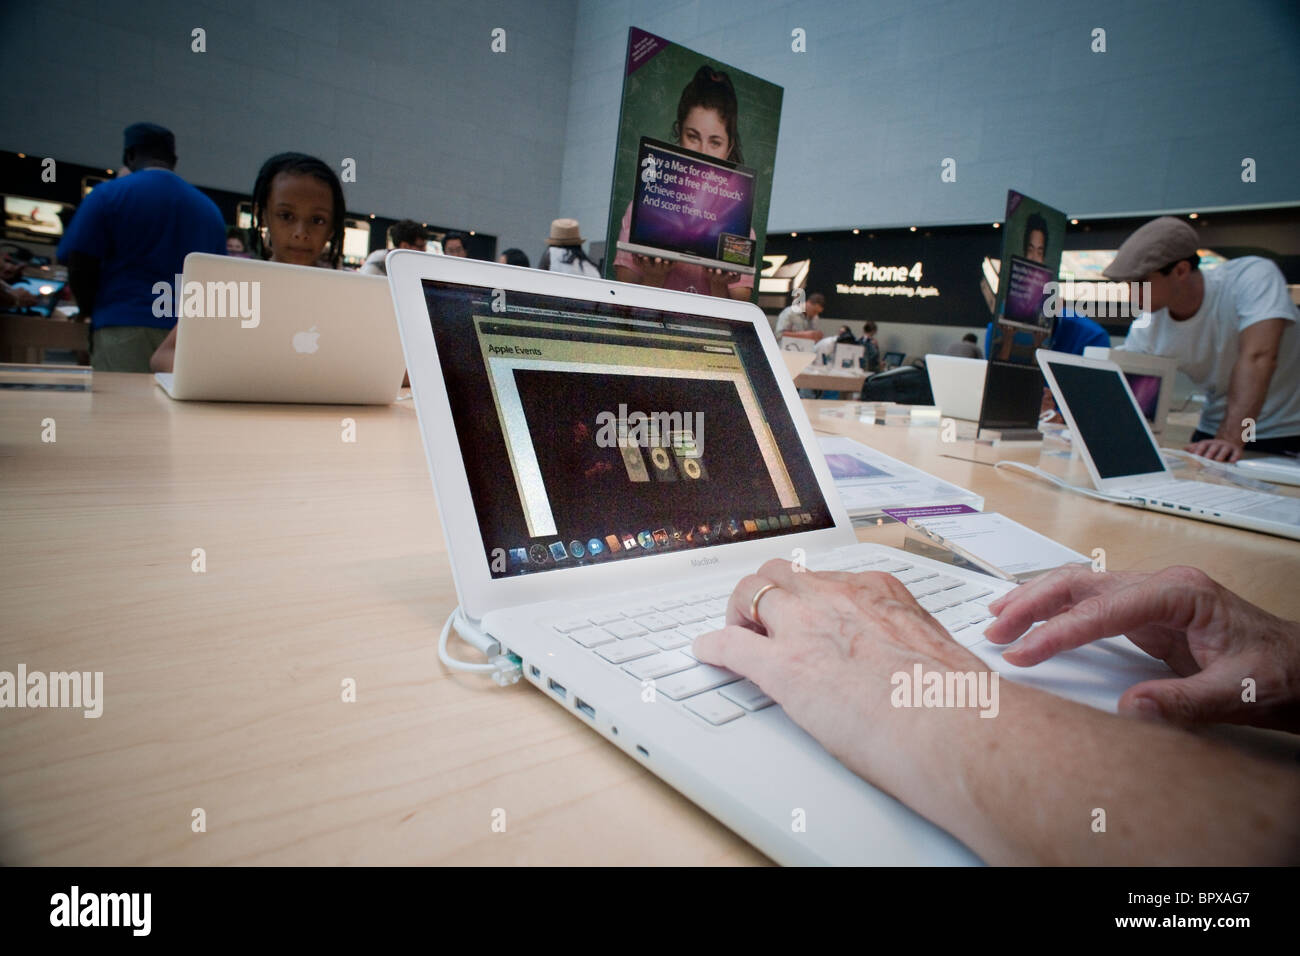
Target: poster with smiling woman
692 172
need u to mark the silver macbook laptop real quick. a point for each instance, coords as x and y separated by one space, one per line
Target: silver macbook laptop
957 384
253 331
609 460
1124 461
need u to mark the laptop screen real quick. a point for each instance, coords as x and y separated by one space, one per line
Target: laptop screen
1146 389
594 432
1116 437
1013 396
688 203
46 291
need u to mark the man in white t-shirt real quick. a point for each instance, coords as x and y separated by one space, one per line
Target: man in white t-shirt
406 234
1233 330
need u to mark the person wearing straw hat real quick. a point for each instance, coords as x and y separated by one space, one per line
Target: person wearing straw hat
564 250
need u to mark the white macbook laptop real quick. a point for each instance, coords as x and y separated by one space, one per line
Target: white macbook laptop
957 384
253 331
1125 462
597 562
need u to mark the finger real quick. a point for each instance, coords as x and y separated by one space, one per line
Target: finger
738 603
1208 697
799 580
1038 600
1233 454
741 650
1105 615
776 606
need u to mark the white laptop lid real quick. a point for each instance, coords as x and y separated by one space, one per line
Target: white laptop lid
254 331
847 357
957 383
796 361
1105 421
520 378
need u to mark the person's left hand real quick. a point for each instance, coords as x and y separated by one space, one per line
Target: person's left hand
1216 449
826 649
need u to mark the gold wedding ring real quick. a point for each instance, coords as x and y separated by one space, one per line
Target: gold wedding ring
753 605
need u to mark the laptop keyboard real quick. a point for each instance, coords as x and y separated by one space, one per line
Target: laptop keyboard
652 641
1223 500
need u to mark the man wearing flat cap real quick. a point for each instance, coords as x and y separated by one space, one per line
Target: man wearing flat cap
1233 330
128 235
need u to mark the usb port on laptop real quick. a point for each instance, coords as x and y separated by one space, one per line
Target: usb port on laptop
557 688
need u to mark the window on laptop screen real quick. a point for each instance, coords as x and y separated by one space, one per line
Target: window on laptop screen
595 432
1107 423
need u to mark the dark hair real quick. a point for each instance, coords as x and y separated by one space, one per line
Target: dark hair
303 165
464 240
146 155
1194 260
516 257
969 337
406 230
1035 223
815 299
711 89
234 232
868 328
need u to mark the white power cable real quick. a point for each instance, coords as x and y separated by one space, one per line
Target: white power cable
505 670
1066 486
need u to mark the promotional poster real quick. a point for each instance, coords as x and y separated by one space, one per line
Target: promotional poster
692 172
1033 237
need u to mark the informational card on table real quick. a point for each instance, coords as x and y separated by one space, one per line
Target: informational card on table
995 542
870 481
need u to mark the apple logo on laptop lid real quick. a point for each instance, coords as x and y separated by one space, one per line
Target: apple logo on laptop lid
306 341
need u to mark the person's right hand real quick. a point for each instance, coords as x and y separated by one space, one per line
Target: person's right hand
1211 638
654 271
23 299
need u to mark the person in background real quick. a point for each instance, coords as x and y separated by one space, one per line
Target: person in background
1071 333
129 234
801 322
707 122
968 347
564 250
404 234
514 257
456 244
871 360
237 243
298 214
1233 330
826 345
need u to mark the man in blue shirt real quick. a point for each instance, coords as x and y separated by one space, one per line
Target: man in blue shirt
1071 333
128 235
